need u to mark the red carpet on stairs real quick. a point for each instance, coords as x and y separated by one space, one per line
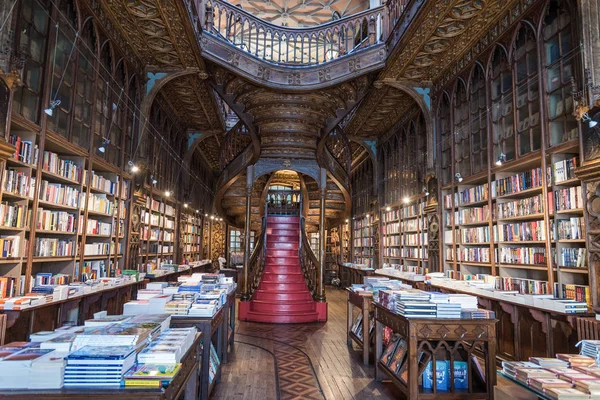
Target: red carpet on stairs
282 295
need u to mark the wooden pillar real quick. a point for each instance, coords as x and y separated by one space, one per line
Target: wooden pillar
246 283
322 238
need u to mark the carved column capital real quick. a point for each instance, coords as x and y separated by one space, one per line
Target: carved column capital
6 150
12 79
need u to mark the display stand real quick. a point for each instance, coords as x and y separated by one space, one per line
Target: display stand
184 384
172 276
213 332
434 336
363 302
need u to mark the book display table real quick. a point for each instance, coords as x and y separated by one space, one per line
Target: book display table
438 345
364 302
172 276
184 385
351 275
213 331
49 316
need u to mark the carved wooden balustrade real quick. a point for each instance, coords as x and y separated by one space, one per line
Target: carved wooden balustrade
256 263
308 262
295 46
283 202
235 142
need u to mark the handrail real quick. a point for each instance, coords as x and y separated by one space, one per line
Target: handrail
236 140
295 46
256 262
308 261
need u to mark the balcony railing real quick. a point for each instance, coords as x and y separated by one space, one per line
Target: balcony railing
283 202
301 46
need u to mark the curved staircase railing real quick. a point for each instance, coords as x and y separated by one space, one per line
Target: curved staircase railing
308 262
234 143
256 263
295 46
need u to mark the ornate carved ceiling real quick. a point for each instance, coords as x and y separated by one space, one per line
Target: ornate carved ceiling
209 148
290 124
301 13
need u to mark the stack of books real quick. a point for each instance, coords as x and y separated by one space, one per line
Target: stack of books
169 347
178 307
591 348
204 308
151 375
566 394
549 362
542 384
577 360
98 366
16 367
477 313
523 375
591 387
47 372
510 367
466 301
417 309
448 310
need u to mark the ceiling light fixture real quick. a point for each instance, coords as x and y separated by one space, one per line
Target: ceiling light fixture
388 208
167 193
153 180
501 159
53 105
591 122
102 148
425 191
458 177
406 200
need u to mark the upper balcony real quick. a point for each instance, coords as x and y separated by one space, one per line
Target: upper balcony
299 58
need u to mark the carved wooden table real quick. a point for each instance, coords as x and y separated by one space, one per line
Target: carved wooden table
351 275
212 329
363 302
184 384
447 337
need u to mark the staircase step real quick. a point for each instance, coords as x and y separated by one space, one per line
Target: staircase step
281 253
284 232
282 269
281 225
282 246
283 219
269 307
282 239
298 295
282 287
269 277
283 318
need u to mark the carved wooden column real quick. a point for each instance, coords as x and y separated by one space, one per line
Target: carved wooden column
245 282
322 238
432 214
8 82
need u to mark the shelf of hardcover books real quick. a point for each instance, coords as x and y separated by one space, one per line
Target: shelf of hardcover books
332 254
191 236
56 213
404 233
363 244
345 237
530 236
157 233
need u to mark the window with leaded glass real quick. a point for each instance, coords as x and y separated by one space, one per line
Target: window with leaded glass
63 71
132 119
103 96
412 158
462 140
478 116
559 46
84 87
421 151
395 168
32 37
503 133
119 95
527 91
445 140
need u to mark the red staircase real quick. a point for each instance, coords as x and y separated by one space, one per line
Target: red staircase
282 295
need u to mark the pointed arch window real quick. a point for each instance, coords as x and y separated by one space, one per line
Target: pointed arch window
63 72
527 91
559 46
503 132
32 42
84 87
445 140
478 120
462 144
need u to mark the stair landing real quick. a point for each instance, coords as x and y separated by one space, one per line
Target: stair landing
282 295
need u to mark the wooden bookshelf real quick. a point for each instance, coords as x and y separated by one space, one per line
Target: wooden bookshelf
191 236
363 240
404 235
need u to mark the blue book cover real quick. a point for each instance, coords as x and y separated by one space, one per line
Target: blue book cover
102 353
461 375
441 375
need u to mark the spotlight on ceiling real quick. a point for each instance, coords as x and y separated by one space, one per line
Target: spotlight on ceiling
53 105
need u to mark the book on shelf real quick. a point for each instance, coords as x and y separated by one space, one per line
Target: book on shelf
13 215
25 150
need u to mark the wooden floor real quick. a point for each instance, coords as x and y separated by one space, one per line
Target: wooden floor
300 361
